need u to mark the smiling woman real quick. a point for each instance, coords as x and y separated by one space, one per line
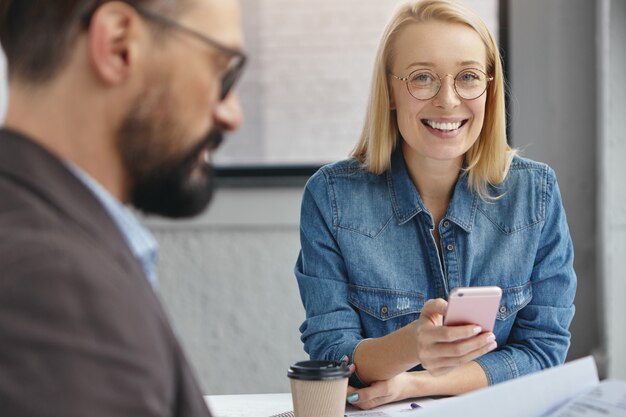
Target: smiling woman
433 199
450 124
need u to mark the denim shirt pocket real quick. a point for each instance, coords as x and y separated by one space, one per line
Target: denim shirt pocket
513 300
386 304
524 205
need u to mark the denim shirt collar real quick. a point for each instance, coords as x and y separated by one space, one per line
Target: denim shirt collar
407 202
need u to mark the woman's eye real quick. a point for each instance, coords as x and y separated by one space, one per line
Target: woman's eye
469 77
422 78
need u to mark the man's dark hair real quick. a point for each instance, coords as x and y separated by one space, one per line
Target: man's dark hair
37 35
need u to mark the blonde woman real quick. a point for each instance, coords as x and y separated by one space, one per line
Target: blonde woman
433 198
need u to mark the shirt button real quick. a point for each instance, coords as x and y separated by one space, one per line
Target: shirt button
446 224
450 247
502 309
384 310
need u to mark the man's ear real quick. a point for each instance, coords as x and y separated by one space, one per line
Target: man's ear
113 38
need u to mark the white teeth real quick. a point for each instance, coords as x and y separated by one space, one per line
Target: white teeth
443 126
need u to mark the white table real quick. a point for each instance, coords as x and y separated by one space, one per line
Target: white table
532 395
266 405
249 405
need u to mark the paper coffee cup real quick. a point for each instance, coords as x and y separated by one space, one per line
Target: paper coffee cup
318 388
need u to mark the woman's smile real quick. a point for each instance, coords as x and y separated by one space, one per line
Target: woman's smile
444 129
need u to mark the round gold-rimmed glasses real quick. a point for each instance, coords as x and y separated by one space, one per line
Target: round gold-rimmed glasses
424 84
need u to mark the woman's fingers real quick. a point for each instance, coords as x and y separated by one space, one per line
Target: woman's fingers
380 392
439 334
442 348
453 354
434 310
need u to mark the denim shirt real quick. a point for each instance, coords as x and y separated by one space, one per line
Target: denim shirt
369 262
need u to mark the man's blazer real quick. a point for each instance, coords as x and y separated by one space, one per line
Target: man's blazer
82 334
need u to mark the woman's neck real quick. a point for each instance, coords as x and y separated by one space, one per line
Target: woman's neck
435 181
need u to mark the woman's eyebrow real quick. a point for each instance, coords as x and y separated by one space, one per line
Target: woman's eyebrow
420 64
425 64
476 63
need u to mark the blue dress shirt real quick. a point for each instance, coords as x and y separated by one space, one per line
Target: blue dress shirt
139 239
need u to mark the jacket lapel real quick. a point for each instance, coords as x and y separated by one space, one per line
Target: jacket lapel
28 163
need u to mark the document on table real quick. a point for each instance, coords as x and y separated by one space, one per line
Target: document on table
535 395
608 399
570 390
398 409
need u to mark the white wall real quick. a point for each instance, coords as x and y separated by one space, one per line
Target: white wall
305 88
227 280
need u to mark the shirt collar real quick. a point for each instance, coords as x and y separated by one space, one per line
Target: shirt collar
464 203
139 239
405 199
407 202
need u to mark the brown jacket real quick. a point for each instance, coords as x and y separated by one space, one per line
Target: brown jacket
81 332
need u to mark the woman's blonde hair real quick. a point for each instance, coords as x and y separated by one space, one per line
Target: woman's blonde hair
488 160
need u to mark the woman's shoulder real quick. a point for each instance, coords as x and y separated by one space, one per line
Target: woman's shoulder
347 171
346 181
528 172
522 166
520 200
349 166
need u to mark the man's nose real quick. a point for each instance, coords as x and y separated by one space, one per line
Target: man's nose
228 114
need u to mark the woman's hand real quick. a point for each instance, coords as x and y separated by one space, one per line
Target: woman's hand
381 392
426 341
441 349
464 378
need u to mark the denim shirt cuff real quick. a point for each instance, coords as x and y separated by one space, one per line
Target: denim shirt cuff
348 349
498 366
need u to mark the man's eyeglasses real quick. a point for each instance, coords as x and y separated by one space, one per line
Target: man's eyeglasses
237 59
424 84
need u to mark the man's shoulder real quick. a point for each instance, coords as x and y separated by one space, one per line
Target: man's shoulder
84 318
39 238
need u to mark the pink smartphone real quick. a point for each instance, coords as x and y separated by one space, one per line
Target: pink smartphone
473 305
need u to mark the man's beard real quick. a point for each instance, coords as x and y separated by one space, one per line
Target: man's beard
179 185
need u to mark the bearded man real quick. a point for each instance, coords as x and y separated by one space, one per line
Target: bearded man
111 103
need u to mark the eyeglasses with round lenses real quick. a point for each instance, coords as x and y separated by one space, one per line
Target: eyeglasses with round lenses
424 84
236 59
